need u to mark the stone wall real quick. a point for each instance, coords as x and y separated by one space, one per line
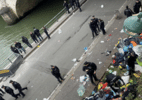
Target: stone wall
17 9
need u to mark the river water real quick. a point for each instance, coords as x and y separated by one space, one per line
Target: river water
38 17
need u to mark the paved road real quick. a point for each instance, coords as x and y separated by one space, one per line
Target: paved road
61 49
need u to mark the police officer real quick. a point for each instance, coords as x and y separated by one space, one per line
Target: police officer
37 33
45 30
16 85
102 26
26 41
93 29
10 91
112 80
65 4
33 36
56 72
1 98
96 22
78 5
137 6
90 68
128 12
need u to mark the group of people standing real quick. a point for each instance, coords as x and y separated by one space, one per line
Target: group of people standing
10 91
18 48
73 4
136 8
96 25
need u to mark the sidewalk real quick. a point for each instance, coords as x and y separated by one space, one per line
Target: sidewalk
68 89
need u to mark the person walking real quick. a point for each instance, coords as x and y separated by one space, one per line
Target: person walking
128 12
90 69
14 49
102 26
56 72
137 6
10 91
96 22
37 33
45 30
93 29
33 36
65 4
26 41
16 85
19 47
131 63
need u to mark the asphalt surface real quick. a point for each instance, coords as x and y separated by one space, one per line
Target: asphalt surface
62 48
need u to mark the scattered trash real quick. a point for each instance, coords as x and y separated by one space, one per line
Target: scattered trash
109 35
122 31
81 90
74 60
72 78
75 64
86 49
114 73
80 58
76 80
126 74
100 62
112 66
102 6
45 99
59 31
89 54
102 41
84 82
115 28
82 78
125 79
38 46
108 39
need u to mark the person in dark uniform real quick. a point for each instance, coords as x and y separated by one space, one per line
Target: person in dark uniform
131 63
72 4
37 33
93 28
102 26
56 72
128 12
96 22
10 91
19 47
90 68
65 4
137 6
26 41
1 98
16 85
13 49
33 36
45 30
78 5
112 80
1 94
